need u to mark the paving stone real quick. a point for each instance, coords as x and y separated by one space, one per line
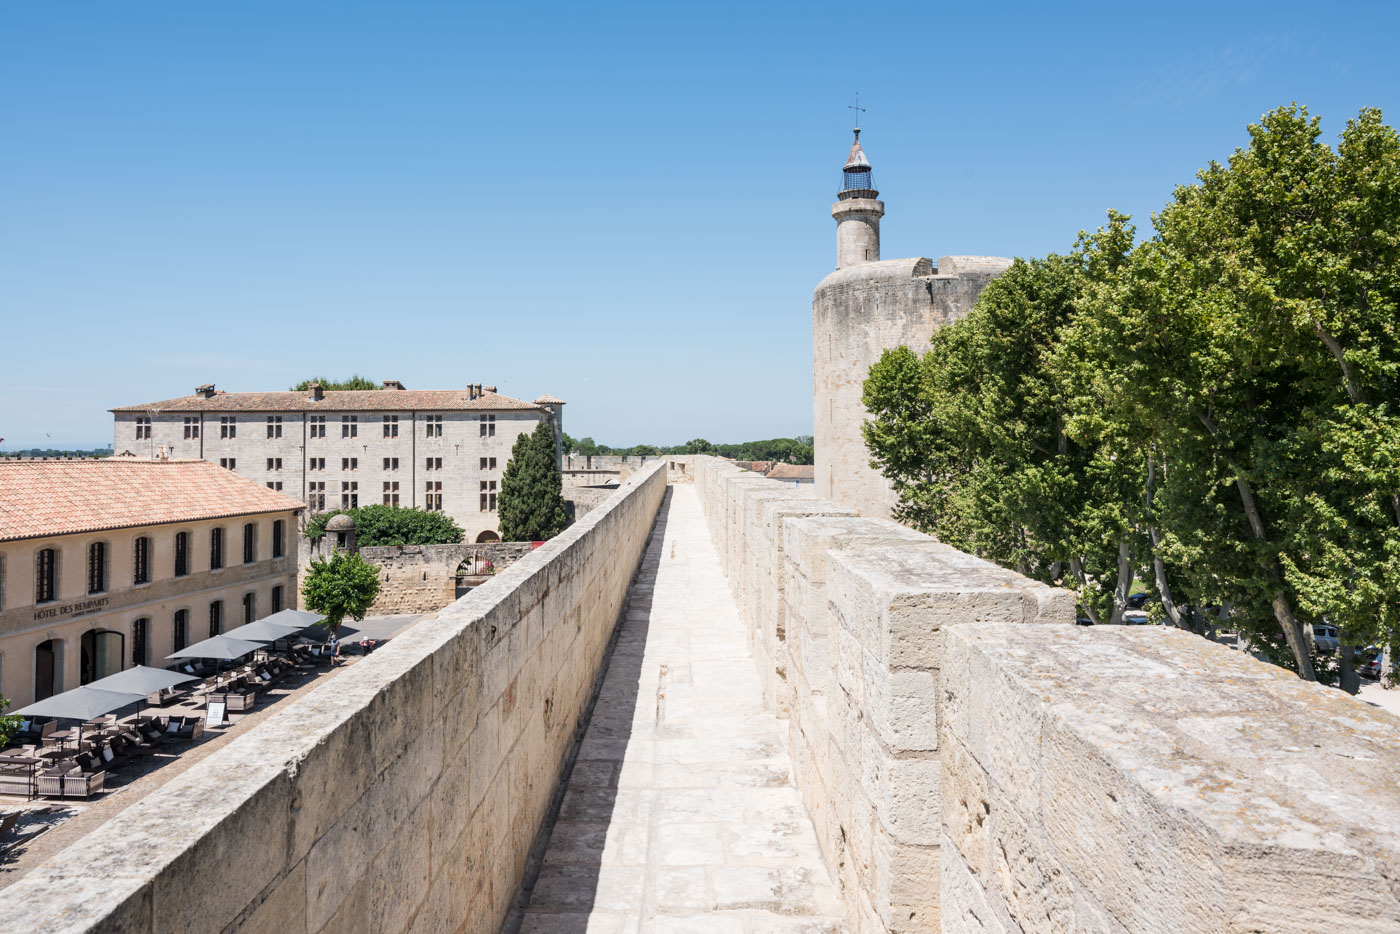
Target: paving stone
681 814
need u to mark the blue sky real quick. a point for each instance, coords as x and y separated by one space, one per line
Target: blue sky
625 205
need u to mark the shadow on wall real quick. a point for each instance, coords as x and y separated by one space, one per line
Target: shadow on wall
572 882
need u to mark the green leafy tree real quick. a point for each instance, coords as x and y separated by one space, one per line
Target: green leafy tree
354 382
9 723
587 446
531 504
642 450
567 444
392 525
339 586
696 446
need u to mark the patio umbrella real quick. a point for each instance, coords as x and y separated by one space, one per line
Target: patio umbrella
81 704
142 679
298 619
264 630
222 648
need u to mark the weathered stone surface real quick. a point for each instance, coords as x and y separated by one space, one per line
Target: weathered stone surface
1142 779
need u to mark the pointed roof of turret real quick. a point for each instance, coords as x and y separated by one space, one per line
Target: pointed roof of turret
857 161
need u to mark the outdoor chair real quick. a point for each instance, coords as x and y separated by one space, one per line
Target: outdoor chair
14 780
32 732
151 734
191 729
78 784
51 780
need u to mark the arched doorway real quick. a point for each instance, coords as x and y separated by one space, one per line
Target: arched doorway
102 652
48 668
487 536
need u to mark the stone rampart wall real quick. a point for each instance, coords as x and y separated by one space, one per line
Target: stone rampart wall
1127 779
972 774
844 614
402 795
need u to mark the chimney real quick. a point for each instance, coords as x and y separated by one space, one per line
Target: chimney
394 384
317 393
490 388
207 390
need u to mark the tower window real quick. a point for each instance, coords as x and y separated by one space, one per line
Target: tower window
434 426
391 492
488 426
432 501
391 426
191 427
317 426
143 428
274 426
228 426
349 426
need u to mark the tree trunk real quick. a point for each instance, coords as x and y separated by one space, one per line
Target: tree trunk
1294 633
1125 583
1076 567
1159 568
1351 681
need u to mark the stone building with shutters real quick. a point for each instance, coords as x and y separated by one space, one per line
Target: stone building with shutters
113 563
438 450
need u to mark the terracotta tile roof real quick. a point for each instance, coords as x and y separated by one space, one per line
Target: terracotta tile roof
42 498
792 472
342 400
547 399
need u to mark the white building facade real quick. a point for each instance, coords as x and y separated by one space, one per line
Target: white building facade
437 450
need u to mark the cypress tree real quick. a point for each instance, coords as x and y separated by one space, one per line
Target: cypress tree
531 505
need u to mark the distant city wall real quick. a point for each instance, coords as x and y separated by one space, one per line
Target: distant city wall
402 795
975 763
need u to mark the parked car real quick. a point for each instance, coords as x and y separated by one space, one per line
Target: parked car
1083 621
1368 662
1325 637
1136 618
1137 601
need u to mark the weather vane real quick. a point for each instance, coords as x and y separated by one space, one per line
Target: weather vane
857 108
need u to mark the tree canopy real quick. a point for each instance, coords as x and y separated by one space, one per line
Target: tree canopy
1214 408
339 586
354 382
392 525
531 504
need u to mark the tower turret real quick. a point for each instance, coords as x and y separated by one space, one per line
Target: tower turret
857 211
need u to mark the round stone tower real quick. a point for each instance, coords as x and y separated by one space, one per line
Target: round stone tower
857 211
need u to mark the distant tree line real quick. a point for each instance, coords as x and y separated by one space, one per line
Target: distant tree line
1215 410
786 450
338 385
58 452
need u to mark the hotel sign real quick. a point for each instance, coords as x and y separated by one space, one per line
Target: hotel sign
84 608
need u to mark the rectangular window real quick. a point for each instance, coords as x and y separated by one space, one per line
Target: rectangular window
391 463
274 463
433 423
277 599
216 549
191 427
349 494
488 495
391 426
317 425
228 426
391 493
349 426
277 536
488 463
182 553
228 463
432 500
181 636
140 639
315 463
250 608
275 485
250 543
216 618
141 562
97 567
143 428
274 426
488 426
432 463
349 463
46 576
316 496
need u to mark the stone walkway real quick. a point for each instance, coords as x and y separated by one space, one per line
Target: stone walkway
681 814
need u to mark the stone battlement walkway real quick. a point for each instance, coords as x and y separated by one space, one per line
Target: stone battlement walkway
681 814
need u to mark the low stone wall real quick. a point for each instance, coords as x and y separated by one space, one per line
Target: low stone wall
968 772
402 795
844 616
1124 779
